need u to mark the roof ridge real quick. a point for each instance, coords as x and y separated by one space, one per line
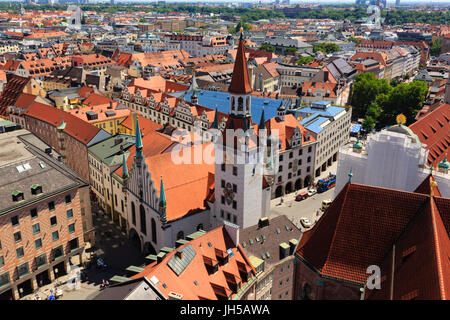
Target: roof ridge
437 221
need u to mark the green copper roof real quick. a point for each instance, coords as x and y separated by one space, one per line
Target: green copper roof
138 140
124 165
62 126
162 195
109 151
444 164
16 192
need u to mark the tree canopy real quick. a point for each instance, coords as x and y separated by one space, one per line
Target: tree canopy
326 47
304 60
267 47
379 102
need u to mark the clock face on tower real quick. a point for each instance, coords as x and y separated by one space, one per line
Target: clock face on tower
228 193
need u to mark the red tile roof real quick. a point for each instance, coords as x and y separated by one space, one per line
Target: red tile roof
434 131
75 127
11 92
360 228
195 283
240 83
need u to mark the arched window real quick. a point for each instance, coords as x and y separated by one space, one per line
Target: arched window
240 104
142 218
306 292
200 227
154 231
133 213
180 235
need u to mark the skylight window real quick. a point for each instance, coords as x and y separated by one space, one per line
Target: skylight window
27 166
20 168
250 241
278 231
42 164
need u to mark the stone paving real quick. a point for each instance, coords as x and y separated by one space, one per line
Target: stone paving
113 247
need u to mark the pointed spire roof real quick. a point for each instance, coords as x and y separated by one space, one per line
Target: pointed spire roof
125 168
138 140
240 83
162 195
215 124
262 122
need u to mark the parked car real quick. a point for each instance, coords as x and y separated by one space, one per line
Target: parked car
326 204
301 196
311 192
305 222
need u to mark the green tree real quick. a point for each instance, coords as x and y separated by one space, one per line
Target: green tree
436 47
406 98
365 90
355 40
291 50
267 47
142 20
326 47
304 60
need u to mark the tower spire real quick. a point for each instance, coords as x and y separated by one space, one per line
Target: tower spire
124 167
215 124
138 140
262 122
240 83
162 201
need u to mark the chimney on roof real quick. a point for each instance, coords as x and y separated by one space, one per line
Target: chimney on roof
175 296
179 253
233 231
263 222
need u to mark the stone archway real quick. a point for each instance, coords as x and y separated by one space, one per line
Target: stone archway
288 188
307 181
278 191
149 249
298 184
135 239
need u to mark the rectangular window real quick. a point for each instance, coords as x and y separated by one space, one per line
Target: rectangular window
36 228
234 188
55 235
235 171
69 214
72 228
33 213
38 244
73 244
53 221
15 221
223 199
234 204
4 279
2 261
58 252
41 260
17 236
68 199
51 205
19 252
23 270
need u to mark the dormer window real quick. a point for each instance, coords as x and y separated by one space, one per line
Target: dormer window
17 195
36 189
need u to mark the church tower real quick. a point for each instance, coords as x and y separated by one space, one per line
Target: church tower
238 168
